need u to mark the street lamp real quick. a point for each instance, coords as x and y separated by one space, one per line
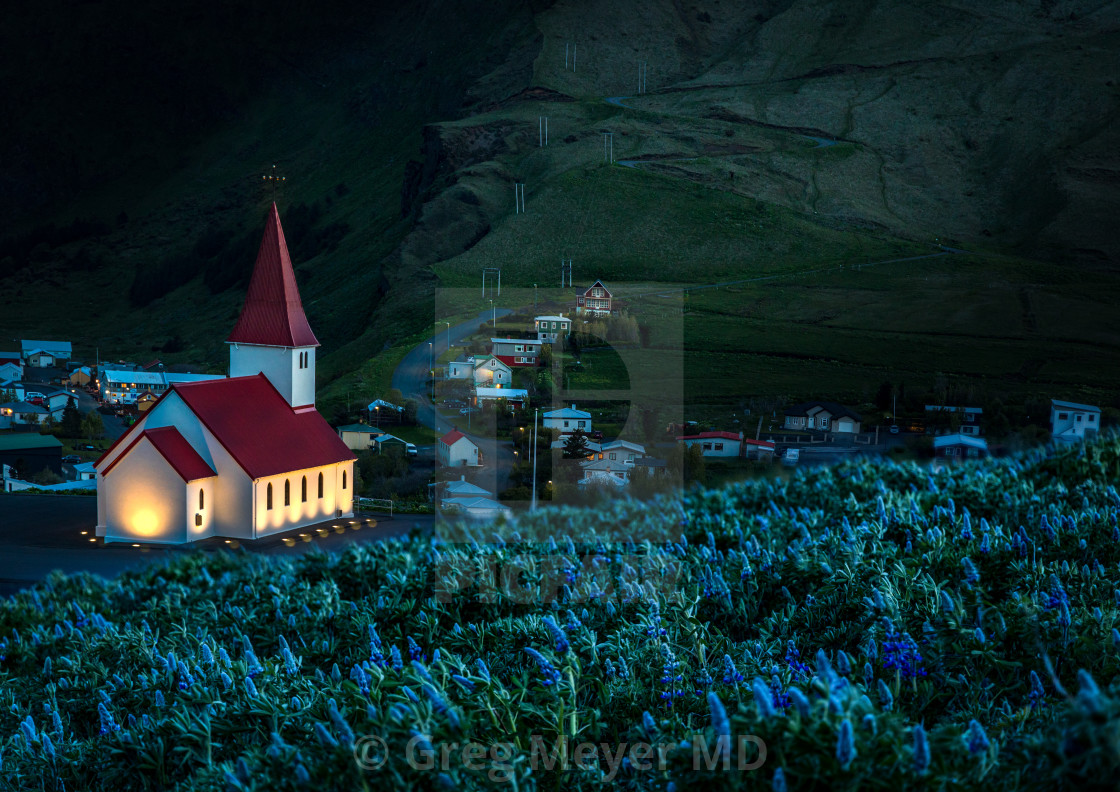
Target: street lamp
493 316
448 335
432 370
377 414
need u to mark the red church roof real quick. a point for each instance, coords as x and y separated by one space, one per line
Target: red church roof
173 447
273 313
259 429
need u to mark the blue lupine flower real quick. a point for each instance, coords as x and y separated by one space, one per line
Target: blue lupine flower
414 650
359 677
900 653
341 727
886 698
295 704
160 702
800 702
483 671
395 659
846 744
1038 693
763 698
778 783
207 656
557 634
971 575
947 603
1088 694
843 663
440 705
463 682
250 687
225 680
411 694
793 660
921 750
56 723
976 739
48 747
550 674
107 722
978 634
648 723
870 724
730 675
325 738
376 653
185 678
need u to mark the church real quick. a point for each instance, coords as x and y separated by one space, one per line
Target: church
246 457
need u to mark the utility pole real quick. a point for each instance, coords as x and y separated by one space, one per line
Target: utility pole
534 299
448 335
518 198
565 270
543 141
534 504
432 369
608 146
493 316
641 77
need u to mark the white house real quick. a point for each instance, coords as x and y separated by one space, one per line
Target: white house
477 508
10 372
567 420
463 488
358 437
552 328
24 413
822 416
622 451
715 444
455 449
1071 422
604 471
245 457
125 386
85 471
41 354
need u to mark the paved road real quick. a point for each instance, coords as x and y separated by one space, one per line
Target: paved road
411 378
42 533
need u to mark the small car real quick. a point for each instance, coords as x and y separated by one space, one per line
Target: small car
410 449
894 429
468 410
71 459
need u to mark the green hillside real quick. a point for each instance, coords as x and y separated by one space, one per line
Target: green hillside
401 130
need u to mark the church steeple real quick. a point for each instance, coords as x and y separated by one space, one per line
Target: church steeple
272 335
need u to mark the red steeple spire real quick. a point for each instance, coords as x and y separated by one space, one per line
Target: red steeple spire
273 314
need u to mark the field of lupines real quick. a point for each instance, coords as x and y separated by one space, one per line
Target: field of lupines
876 626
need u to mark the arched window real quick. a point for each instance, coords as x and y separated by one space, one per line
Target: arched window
287 492
268 497
344 479
320 485
201 500
304 490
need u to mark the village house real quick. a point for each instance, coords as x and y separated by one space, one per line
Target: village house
1071 422
567 419
621 451
79 377
244 457
822 416
11 357
959 446
596 300
380 410
727 444
516 352
967 418
21 413
455 449
485 370
470 500
604 472
358 437
551 329
44 354
11 371
125 386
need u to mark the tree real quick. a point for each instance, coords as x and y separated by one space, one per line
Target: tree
694 464
410 411
575 445
883 396
92 425
71 419
46 476
546 356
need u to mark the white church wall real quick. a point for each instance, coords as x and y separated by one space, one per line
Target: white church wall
303 380
281 366
151 507
298 513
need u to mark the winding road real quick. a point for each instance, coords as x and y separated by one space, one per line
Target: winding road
412 379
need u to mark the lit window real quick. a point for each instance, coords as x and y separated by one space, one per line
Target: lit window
344 479
268 497
303 490
198 519
287 492
201 500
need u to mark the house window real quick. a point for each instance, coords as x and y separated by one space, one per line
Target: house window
707 446
1092 418
1063 416
303 490
287 492
344 479
612 455
201 500
824 423
1078 418
519 348
566 424
581 424
268 497
719 446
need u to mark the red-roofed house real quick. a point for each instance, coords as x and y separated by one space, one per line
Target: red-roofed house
455 449
244 457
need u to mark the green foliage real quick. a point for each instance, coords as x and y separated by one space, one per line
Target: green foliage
877 626
575 445
71 419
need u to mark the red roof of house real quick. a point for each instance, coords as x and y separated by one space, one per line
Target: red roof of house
259 429
761 443
173 447
273 313
708 435
452 437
